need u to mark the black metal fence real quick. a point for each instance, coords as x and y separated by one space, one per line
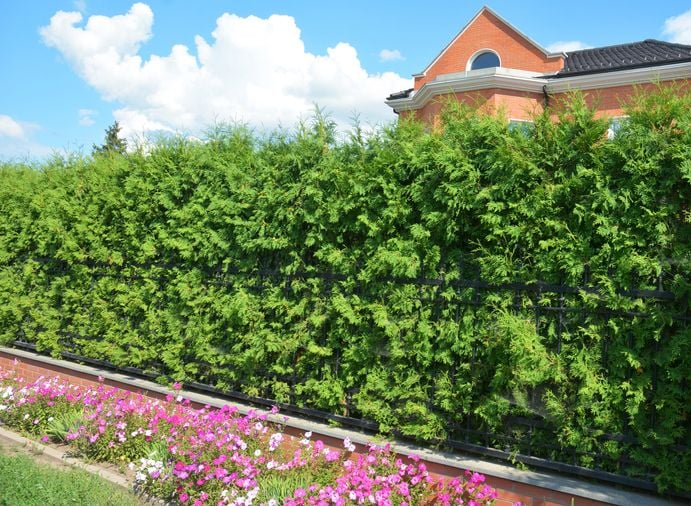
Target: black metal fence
556 309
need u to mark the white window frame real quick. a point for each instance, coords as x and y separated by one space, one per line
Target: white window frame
469 65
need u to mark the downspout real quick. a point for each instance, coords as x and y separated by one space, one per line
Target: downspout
546 95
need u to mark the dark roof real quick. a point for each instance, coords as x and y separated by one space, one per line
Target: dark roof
400 94
647 53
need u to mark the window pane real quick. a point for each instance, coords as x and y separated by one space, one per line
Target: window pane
522 126
485 61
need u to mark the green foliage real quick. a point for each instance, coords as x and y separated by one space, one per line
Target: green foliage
205 262
114 144
64 422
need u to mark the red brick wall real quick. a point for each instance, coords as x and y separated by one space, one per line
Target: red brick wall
512 104
509 491
608 102
488 32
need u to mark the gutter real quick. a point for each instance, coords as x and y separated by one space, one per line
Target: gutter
544 84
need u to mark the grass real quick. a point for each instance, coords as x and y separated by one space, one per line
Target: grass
24 482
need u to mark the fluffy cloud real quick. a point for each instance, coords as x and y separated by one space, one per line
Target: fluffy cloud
16 141
566 46
252 70
11 128
390 55
86 116
678 28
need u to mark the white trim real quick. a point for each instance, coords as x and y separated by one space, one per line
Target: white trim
472 80
621 78
487 9
471 60
518 80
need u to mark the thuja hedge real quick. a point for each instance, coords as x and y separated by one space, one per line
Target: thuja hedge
293 266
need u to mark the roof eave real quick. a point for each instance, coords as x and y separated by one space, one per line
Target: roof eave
623 77
564 75
497 79
510 80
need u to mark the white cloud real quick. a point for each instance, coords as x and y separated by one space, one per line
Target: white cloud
24 149
11 128
254 70
16 142
80 5
564 46
86 117
390 55
678 28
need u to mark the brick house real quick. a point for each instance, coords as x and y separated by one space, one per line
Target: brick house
491 65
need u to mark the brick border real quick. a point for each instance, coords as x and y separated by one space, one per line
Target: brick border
531 488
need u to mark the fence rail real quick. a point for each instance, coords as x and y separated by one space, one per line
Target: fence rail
527 439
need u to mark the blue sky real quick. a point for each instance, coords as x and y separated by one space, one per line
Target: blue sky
182 65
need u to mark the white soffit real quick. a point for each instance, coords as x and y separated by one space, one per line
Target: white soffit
517 80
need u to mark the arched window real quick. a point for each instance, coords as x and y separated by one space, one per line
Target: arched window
485 60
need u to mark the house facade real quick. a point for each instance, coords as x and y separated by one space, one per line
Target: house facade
493 66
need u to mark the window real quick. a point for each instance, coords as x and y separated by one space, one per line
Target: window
615 125
485 60
523 126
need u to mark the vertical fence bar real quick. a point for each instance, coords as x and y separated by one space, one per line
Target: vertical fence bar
469 292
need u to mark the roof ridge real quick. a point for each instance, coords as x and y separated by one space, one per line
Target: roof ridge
667 43
624 44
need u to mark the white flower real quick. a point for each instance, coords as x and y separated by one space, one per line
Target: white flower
348 445
275 441
257 453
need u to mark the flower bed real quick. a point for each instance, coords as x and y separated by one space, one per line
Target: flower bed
216 456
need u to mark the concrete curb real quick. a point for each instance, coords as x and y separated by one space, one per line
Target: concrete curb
571 486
